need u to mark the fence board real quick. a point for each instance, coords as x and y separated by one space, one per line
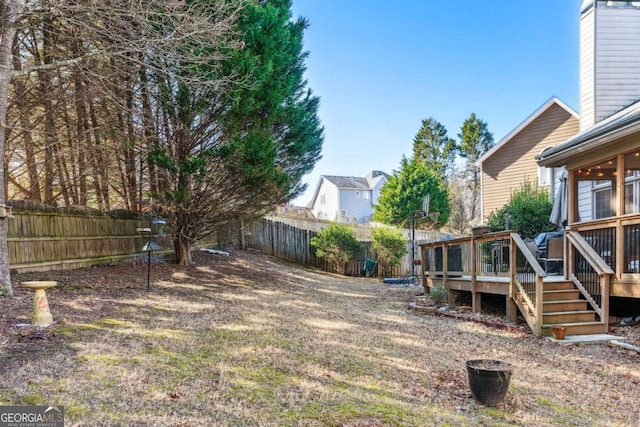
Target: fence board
294 244
46 240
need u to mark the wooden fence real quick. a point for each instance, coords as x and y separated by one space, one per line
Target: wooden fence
54 240
294 244
362 231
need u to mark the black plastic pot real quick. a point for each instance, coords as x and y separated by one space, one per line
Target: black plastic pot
489 380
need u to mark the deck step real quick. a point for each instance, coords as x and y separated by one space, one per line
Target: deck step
569 317
579 328
559 295
557 286
564 305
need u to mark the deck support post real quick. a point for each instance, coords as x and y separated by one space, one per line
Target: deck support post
476 297
476 301
512 308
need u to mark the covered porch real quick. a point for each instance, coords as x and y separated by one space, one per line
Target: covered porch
603 203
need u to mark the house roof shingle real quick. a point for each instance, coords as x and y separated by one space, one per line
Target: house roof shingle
348 182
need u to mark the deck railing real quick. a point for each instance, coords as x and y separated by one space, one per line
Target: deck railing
589 256
617 241
527 281
488 256
588 270
631 236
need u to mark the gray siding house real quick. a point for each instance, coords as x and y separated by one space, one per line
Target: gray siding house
347 199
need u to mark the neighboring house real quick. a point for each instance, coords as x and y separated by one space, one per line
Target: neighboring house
511 161
603 160
346 198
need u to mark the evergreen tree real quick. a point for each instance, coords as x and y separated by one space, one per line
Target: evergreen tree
275 132
475 141
404 192
432 146
239 150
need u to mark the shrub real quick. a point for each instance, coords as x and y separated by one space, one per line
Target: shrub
337 243
390 246
527 212
439 295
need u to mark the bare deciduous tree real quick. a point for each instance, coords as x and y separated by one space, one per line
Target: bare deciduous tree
76 65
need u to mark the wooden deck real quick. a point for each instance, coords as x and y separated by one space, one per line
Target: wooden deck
502 264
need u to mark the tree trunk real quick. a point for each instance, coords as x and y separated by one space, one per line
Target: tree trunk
99 160
11 10
150 133
25 121
182 248
82 131
50 137
181 240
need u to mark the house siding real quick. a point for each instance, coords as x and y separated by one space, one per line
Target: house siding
617 59
358 208
330 209
514 163
587 59
585 201
609 62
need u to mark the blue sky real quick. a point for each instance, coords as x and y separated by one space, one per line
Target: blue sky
382 66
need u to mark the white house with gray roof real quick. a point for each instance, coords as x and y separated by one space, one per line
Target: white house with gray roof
347 198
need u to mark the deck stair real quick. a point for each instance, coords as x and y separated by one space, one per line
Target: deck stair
562 305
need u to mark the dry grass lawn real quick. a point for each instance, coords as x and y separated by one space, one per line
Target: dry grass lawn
246 340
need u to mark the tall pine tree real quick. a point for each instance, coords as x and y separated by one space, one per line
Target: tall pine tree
241 146
475 141
432 146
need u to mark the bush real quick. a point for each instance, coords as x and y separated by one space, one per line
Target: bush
439 295
527 212
337 244
390 246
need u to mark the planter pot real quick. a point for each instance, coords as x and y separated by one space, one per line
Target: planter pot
558 332
489 380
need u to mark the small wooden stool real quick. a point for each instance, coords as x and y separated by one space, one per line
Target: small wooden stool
41 313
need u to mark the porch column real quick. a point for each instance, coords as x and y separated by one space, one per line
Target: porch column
620 196
572 183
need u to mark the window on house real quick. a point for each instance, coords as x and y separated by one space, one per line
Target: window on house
365 195
545 175
323 199
629 198
632 183
602 203
357 194
597 190
343 215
